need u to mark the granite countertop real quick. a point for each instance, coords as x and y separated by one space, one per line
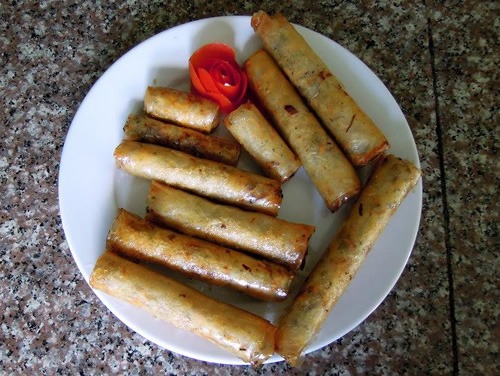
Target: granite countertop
439 60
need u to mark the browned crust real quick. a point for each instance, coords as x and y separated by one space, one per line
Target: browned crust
243 334
357 134
211 179
259 138
137 238
391 181
272 238
182 108
145 129
327 166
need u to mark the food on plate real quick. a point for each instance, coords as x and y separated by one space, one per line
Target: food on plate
390 182
146 129
215 74
329 169
215 180
278 240
245 335
211 221
182 108
137 238
258 137
354 131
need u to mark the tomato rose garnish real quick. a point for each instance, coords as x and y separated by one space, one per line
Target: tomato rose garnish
216 75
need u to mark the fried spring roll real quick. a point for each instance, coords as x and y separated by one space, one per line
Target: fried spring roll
252 130
132 236
354 131
389 184
145 129
202 176
182 108
329 169
275 239
245 335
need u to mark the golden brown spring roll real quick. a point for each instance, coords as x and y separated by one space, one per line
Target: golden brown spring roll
275 239
243 334
137 238
329 169
388 185
145 129
182 108
355 132
252 130
202 176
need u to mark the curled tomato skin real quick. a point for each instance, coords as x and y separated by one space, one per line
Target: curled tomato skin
215 74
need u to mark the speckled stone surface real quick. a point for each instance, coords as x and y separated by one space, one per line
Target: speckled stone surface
439 59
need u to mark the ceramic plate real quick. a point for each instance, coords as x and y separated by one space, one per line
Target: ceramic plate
91 189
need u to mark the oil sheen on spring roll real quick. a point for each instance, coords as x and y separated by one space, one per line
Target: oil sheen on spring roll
388 185
354 131
182 108
207 178
258 137
243 334
137 238
145 129
327 166
272 238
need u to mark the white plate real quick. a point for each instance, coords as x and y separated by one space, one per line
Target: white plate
91 188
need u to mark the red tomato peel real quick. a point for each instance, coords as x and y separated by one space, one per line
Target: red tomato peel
216 75
209 90
207 81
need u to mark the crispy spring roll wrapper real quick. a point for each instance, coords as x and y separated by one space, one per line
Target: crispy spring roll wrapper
327 166
207 178
355 132
252 130
145 129
137 238
388 185
275 239
182 108
245 335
